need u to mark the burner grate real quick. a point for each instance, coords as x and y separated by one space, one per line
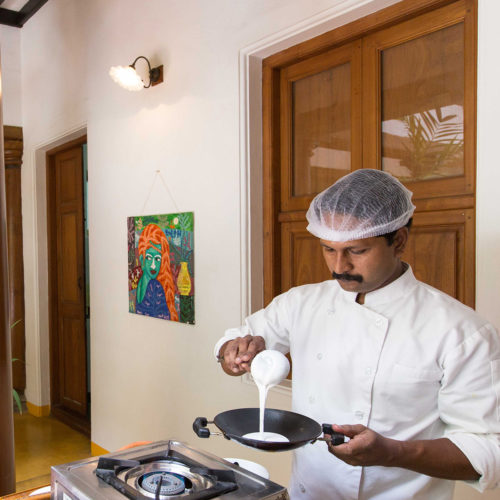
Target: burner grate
164 476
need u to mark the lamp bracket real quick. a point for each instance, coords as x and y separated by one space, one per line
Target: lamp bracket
155 74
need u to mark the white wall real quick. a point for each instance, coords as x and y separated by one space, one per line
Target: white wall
10 53
151 378
55 109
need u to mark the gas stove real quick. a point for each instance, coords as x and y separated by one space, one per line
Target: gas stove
162 470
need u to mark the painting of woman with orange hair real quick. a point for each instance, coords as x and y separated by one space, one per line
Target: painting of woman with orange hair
155 289
160 255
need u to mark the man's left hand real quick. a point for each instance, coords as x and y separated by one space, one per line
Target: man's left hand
365 446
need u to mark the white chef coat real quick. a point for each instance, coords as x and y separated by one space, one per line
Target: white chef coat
411 363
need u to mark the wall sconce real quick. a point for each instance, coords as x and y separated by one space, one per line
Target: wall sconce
128 78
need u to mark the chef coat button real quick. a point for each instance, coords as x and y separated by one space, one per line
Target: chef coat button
379 322
319 355
302 488
368 371
311 399
359 415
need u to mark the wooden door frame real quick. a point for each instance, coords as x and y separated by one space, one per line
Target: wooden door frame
271 154
73 420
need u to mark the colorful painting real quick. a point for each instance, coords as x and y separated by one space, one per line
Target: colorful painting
161 266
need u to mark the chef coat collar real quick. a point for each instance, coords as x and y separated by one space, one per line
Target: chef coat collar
397 288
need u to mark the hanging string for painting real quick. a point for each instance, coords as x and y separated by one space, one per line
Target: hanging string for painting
158 174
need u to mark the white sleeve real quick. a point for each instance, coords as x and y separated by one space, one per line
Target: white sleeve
270 323
469 403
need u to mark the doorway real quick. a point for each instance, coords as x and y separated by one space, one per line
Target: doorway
69 305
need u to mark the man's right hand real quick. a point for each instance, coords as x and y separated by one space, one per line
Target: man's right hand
236 355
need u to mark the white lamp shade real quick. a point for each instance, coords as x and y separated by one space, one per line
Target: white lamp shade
127 77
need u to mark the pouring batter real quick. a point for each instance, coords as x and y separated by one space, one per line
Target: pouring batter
268 369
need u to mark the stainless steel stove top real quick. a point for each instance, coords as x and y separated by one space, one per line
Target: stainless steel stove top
161 471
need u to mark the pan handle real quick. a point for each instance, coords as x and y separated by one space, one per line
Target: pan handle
200 427
336 438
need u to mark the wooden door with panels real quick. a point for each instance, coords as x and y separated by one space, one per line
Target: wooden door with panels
68 339
394 91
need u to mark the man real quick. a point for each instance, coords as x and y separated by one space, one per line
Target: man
410 375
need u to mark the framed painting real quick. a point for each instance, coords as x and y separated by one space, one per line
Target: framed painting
161 266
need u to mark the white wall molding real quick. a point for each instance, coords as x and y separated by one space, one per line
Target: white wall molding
36 281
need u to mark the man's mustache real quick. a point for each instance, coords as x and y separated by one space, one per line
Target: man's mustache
347 277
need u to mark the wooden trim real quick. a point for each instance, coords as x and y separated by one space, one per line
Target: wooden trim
270 170
12 132
38 411
13 146
67 145
96 450
381 19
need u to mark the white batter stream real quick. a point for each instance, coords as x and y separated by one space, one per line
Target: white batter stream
268 369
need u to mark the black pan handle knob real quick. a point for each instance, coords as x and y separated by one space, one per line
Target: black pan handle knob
337 438
200 427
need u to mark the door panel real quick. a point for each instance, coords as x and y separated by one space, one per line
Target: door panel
70 266
73 392
302 256
71 272
69 389
440 251
320 104
424 97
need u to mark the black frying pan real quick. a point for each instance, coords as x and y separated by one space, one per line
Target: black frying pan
298 429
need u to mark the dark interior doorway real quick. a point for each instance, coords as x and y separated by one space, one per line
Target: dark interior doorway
69 307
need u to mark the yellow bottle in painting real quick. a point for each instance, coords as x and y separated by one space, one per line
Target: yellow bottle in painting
184 280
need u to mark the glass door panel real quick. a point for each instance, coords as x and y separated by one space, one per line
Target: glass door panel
321 129
423 106
320 117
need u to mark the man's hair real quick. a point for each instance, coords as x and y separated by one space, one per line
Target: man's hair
390 236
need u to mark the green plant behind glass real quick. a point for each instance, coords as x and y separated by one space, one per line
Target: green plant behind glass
435 141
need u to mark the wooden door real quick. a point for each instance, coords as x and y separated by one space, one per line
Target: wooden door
67 279
394 91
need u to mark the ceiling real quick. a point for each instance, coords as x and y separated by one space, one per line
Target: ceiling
17 12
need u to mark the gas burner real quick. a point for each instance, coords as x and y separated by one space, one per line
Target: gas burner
164 470
165 478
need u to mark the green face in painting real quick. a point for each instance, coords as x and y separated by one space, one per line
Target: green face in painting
152 261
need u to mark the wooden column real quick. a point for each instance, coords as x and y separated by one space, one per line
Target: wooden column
7 464
13 154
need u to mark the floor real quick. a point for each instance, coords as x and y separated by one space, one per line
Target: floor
41 442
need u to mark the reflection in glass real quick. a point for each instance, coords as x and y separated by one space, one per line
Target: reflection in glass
422 106
321 129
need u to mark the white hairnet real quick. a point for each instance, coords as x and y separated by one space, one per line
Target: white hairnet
362 204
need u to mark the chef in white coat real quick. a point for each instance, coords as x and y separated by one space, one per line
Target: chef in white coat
407 373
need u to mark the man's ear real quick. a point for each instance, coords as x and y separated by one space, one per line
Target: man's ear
400 240
141 260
